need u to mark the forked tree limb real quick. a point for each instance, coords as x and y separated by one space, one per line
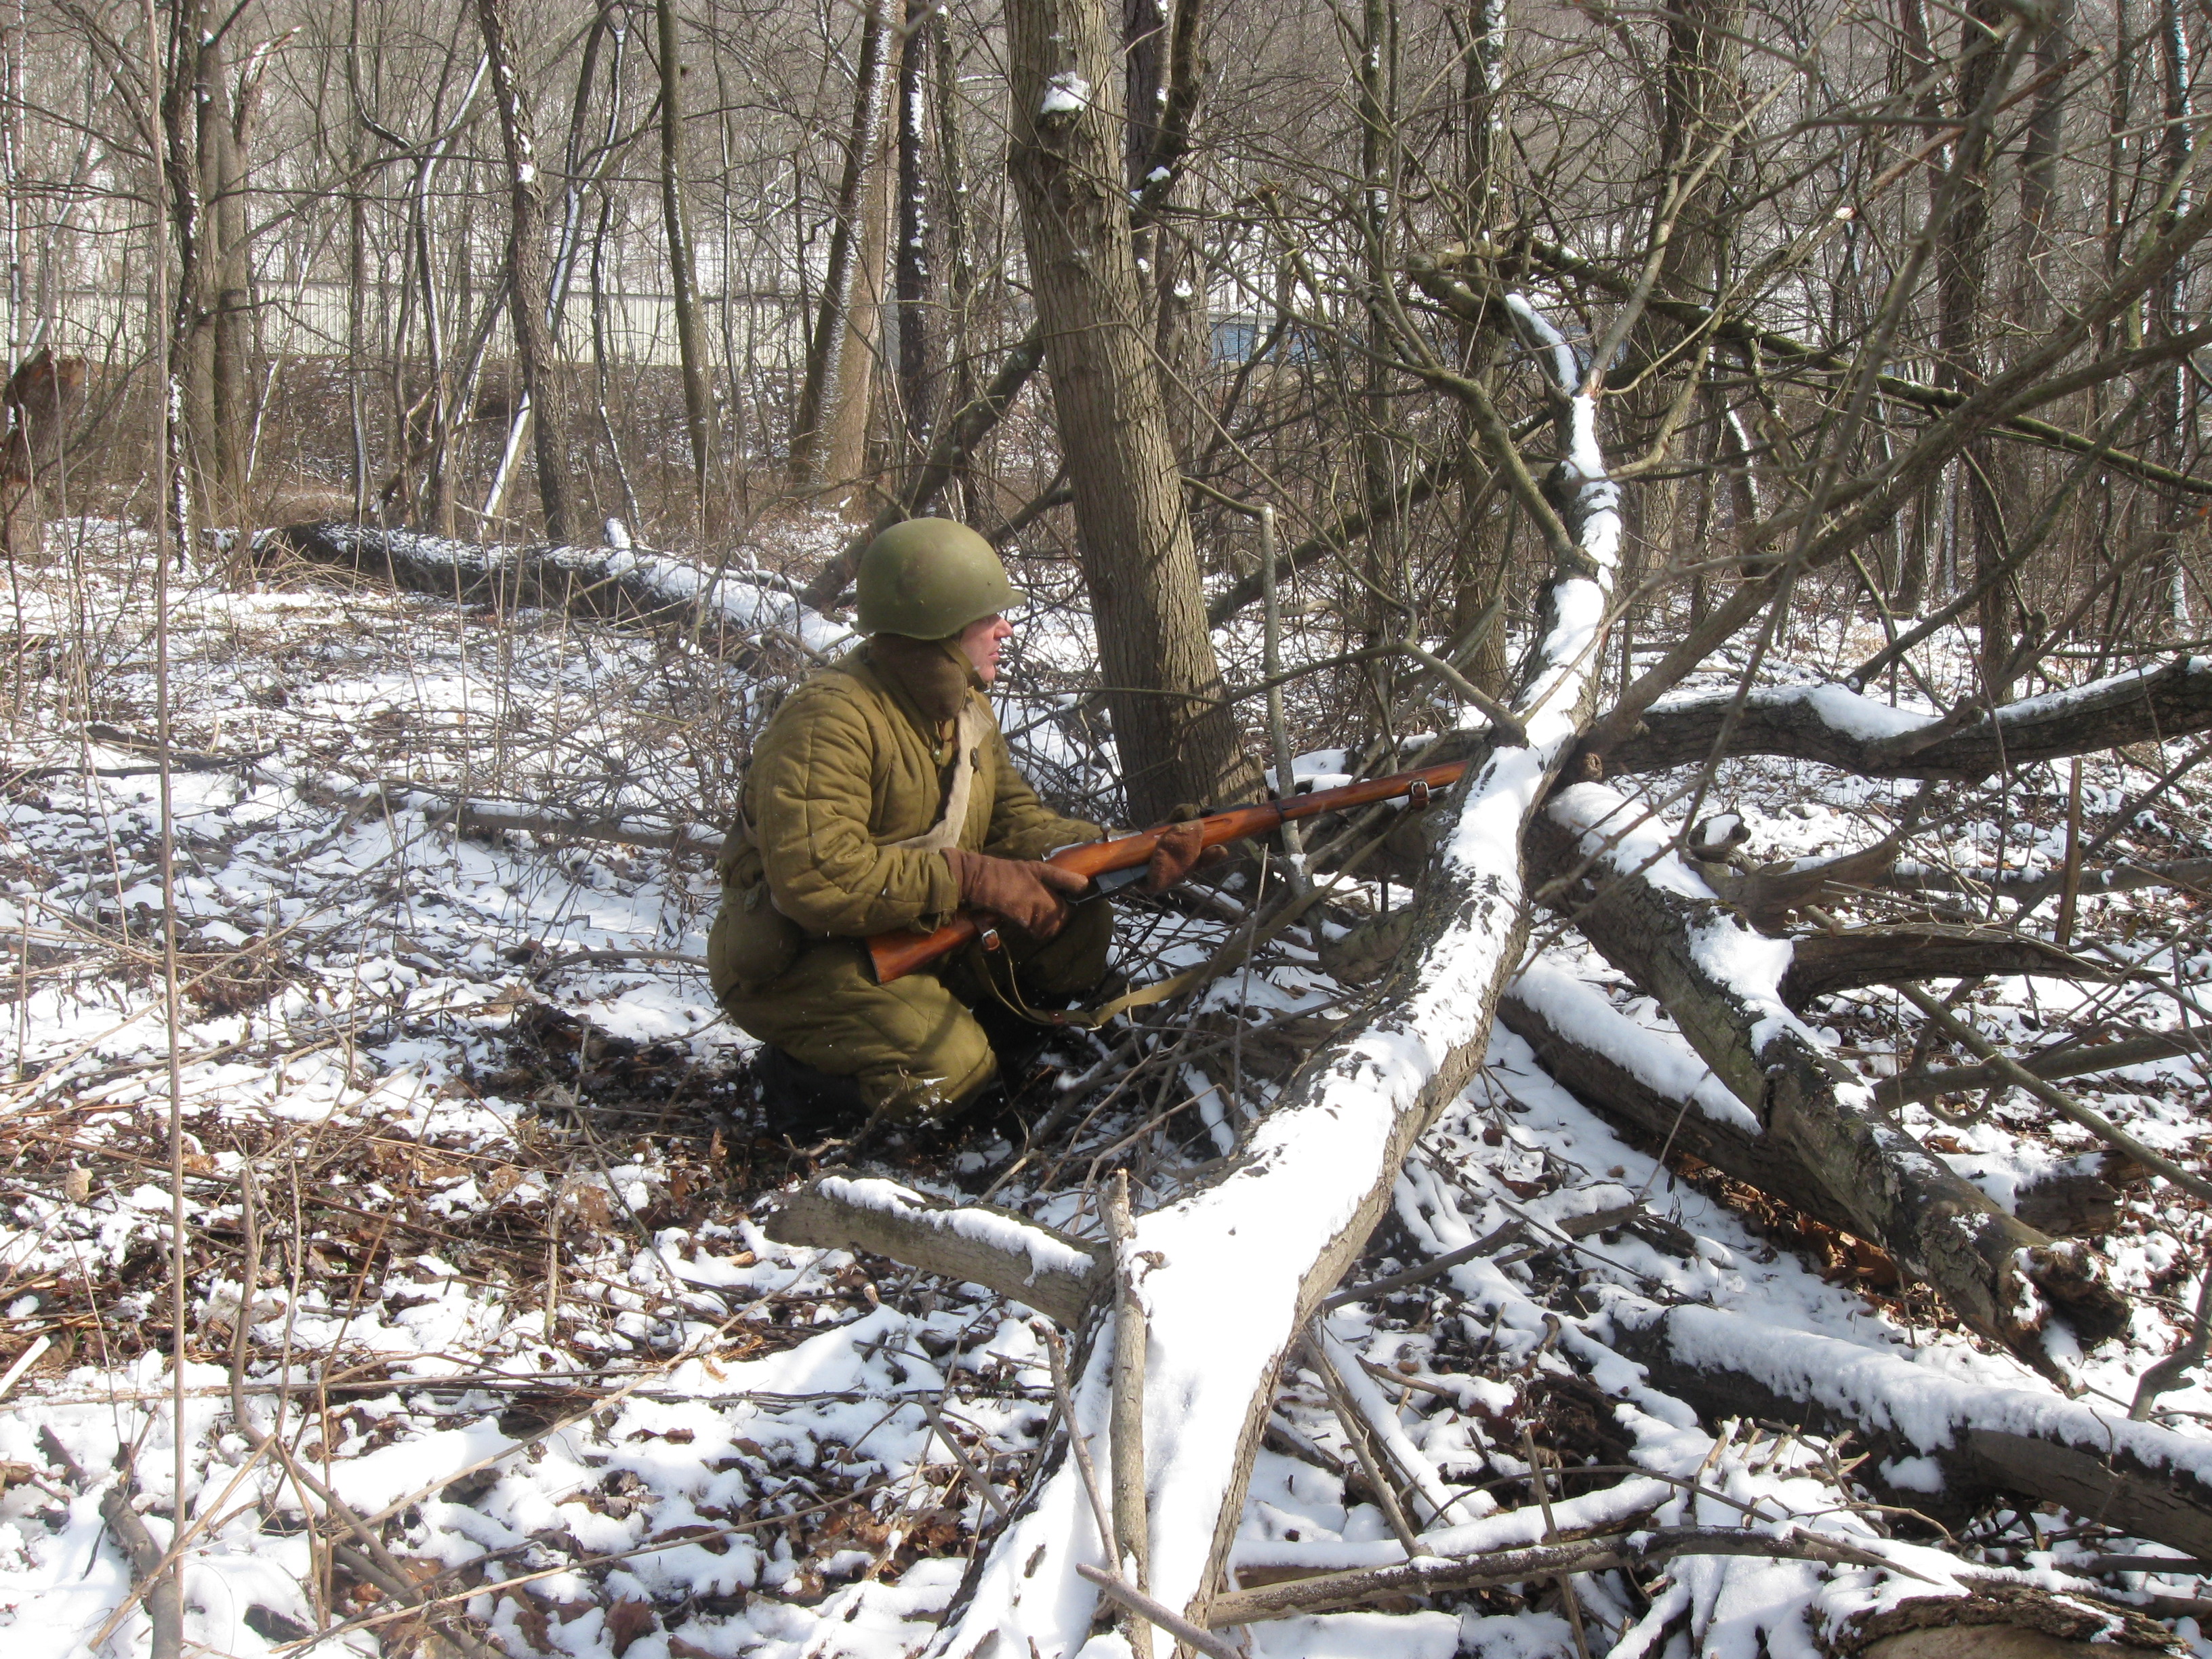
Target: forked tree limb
1785 352
947 455
2143 1480
1807 1130
1837 726
1282 1225
1908 952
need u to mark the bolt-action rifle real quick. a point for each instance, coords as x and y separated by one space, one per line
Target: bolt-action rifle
1120 862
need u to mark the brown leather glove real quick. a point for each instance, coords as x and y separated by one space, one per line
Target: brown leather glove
1181 850
1028 892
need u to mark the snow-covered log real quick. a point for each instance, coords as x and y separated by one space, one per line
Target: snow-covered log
624 585
1018 1258
1943 1444
1241 1263
1835 724
1776 1109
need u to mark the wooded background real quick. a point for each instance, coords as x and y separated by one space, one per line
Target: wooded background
504 272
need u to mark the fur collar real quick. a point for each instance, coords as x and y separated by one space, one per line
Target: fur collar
935 674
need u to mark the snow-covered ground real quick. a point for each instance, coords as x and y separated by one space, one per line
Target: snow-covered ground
516 1364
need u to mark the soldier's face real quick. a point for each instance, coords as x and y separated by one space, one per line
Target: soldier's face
982 640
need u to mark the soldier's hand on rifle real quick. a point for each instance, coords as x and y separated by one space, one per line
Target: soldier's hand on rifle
1182 849
1027 892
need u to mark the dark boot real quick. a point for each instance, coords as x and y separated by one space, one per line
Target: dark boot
799 1102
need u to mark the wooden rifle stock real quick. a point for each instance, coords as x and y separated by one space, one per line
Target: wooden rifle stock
899 952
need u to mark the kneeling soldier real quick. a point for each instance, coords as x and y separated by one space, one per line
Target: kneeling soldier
881 795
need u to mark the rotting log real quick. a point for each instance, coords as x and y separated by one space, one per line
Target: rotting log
1837 726
1022 1261
627 586
1808 1132
1294 1209
1945 1445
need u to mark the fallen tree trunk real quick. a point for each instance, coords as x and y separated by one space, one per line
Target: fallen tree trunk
617 584
1317 1172
1834 725
1798 1126
1948 1445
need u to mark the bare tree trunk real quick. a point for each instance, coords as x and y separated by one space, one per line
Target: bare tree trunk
698 403
528 290
1962 278
2175 149
1486 548
2039 162
207 217
913 273
958 286
1178 741
839 357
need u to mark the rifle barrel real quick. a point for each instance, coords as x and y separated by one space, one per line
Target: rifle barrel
896 954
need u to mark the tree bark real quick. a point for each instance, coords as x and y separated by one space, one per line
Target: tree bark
913 271
1962 281
1910 952
44 398
528 289
1178 740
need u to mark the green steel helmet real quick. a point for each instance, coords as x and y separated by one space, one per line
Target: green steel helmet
929 579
